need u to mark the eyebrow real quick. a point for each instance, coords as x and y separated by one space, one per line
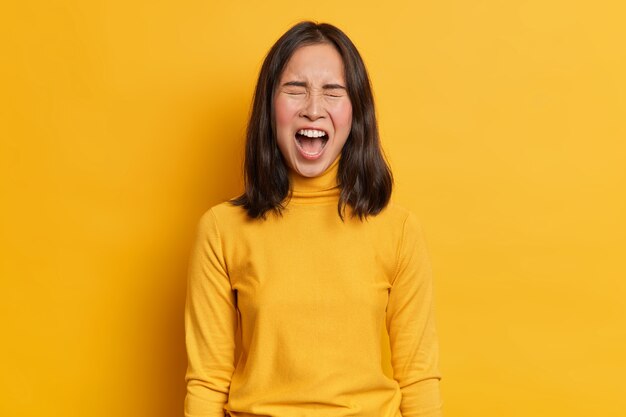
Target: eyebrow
304 84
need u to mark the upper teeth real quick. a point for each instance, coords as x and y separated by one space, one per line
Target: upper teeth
312 133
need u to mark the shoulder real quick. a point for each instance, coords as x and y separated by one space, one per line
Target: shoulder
223 217
405 223
226 211
399 216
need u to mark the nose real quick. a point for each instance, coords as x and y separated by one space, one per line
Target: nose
313 107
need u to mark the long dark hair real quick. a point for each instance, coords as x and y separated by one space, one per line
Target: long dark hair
363 174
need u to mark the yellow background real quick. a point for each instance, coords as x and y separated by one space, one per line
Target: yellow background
121 122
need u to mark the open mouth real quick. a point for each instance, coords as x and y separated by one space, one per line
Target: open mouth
311 142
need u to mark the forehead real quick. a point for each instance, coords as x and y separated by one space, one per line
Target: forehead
314 62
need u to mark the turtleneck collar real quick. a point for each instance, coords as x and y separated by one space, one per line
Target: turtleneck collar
320 189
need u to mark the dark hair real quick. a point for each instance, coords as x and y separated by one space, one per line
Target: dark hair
363 174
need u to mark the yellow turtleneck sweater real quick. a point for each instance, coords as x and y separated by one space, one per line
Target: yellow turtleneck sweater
305 299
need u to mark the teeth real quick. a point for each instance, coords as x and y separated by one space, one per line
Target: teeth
311 153
312 133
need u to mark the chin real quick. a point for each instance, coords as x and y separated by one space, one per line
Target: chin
310 172
308 168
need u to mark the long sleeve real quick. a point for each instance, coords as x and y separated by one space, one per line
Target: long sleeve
411 326
210 324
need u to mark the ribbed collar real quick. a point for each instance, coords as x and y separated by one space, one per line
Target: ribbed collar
320 189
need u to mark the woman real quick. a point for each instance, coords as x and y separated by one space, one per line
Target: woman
303 271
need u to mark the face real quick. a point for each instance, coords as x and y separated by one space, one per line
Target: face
312 108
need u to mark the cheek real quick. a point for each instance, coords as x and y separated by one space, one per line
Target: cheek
342 118
284 113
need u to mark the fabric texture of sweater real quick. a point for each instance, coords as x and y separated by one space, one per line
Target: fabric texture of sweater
284 316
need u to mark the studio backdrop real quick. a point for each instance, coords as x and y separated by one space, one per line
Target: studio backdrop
503 122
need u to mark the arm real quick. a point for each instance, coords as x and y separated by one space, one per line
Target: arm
411 326
210 324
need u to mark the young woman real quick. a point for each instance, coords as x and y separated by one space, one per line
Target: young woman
302 272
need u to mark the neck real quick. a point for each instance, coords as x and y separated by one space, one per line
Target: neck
320 189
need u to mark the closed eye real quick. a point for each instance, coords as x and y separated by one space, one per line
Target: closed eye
295 92
334 90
